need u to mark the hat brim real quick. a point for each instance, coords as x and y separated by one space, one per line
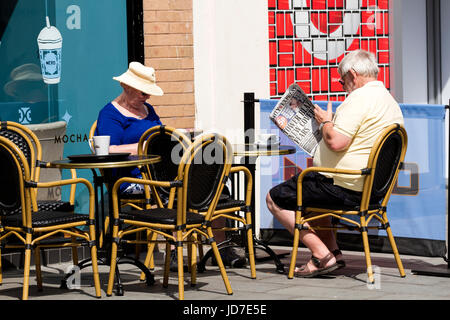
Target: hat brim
148 88
20 88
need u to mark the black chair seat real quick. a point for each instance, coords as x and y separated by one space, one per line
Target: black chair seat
161 215
373 206
46 218
50 205
229 203
57 205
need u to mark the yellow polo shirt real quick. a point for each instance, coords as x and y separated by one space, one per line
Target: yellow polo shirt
362 116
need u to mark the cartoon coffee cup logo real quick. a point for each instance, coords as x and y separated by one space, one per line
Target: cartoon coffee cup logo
50 48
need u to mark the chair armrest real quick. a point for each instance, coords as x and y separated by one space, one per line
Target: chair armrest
73 181
164 184
64 182
329 170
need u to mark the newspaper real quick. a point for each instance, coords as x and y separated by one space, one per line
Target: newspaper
294 115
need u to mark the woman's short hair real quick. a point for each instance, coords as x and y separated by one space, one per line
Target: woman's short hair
361 61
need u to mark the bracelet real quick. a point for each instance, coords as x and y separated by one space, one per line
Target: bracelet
323 123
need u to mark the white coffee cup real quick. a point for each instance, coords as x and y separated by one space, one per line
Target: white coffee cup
100 145
268 139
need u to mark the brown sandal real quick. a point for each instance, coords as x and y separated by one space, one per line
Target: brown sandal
305 272
341 262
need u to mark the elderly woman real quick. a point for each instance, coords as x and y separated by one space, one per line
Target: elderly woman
129 115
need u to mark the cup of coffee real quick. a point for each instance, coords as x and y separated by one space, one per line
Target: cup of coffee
268 139
50 48
99 145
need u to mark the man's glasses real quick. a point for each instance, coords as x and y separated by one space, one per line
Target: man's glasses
341 80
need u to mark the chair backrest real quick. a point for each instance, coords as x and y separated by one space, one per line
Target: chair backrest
170 145
14 171
27 142
384 162
203 169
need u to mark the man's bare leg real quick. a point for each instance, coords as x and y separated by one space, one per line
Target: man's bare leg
308 237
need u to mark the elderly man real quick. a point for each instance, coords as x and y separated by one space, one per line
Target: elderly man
347 138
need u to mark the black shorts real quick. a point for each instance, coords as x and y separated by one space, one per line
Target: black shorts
317 190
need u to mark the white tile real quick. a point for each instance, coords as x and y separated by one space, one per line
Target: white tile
320 45
302 31
351 4
301 17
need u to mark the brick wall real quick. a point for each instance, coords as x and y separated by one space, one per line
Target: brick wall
168 43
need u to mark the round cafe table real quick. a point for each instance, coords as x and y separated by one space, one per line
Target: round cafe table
106 164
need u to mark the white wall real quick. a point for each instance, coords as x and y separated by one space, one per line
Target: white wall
231 56
445 50
408 43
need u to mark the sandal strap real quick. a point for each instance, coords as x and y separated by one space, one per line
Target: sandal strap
316 261
319 263
336 252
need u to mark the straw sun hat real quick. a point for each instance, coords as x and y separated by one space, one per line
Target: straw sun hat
141 78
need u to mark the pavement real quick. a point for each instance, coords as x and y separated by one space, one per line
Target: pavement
348 283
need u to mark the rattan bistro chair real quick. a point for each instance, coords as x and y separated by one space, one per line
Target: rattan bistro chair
31 147
29 144
200 180
170 145
17 190
381 173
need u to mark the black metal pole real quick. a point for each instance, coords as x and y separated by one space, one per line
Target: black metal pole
249 117
135 31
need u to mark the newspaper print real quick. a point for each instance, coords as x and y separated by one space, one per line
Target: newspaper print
294 115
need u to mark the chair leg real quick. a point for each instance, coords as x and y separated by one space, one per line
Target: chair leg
365 238
153 236
166 266
96 275
200 248
1 270
149 259
180 272
189 253
294 253
26 273
220 262
74 252
112 269
37 261
137 248
394 248
250 247
193 260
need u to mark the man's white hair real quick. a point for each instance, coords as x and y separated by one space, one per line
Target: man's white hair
361 61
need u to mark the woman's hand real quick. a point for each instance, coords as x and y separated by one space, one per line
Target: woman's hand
131 148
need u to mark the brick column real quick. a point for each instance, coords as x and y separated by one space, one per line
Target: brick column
168 43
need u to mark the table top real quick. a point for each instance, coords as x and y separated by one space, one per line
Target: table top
253 150
129 161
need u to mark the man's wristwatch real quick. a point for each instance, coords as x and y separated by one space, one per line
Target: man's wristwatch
323 123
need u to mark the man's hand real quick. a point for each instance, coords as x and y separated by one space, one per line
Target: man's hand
322 115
